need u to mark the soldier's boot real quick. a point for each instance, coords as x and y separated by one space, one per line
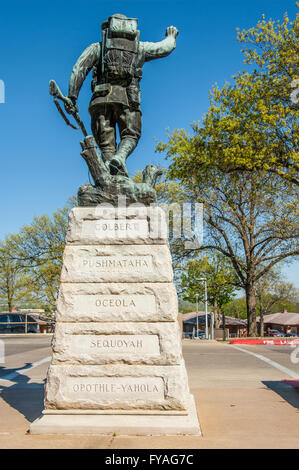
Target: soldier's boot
107 156
118 162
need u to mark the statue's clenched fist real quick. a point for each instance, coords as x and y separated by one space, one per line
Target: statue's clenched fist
71 106
172 31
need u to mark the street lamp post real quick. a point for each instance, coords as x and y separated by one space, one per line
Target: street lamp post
196 295
212 325
206 306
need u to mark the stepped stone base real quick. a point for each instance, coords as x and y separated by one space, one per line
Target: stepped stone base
145 424
117 364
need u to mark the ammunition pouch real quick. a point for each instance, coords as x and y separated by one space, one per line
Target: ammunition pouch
102 89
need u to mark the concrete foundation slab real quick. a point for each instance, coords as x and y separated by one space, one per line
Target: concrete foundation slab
119 424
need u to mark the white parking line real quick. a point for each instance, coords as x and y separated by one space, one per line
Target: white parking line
271 363
14 374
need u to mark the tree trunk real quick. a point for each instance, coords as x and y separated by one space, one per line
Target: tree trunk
261 323
251 309
216 315
223 327
9 301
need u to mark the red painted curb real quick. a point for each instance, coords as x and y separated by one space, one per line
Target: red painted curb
279 342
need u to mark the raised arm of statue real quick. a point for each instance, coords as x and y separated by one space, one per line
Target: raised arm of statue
82 67
157 50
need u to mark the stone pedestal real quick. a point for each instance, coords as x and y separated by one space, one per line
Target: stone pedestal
117 364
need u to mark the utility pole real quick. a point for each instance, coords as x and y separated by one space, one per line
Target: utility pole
206 306
224 326
196 295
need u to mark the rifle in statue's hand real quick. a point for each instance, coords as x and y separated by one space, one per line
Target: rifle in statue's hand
57 95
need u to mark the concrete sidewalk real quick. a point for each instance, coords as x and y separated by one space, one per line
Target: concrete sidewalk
241 403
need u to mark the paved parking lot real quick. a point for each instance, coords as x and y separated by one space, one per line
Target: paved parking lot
240 398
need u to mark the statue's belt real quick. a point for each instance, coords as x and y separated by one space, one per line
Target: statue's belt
112 94
107 93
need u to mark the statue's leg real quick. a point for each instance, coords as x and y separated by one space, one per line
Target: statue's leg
129 123
103 129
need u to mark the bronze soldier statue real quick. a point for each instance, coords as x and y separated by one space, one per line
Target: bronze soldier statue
116 65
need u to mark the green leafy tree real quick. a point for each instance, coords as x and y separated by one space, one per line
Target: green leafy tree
249 218
221 280
13 283
286 305
236 308
272 48
253 124
38 249
185 306
251 212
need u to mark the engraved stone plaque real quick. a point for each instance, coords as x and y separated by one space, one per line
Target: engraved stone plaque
116 263
104 301
116 229
126 303
117 342
92 225
144 388
108 345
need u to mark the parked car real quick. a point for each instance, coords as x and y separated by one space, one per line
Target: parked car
275 333
187 335
290 335
201 335
16 323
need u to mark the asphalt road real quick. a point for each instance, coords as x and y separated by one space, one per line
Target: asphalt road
241 400
236 364
34 345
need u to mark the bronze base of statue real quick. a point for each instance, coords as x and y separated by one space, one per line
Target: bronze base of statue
108 188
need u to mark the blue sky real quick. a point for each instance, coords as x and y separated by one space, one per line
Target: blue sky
41 164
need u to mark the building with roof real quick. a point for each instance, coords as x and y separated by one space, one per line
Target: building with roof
286 322
235 327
